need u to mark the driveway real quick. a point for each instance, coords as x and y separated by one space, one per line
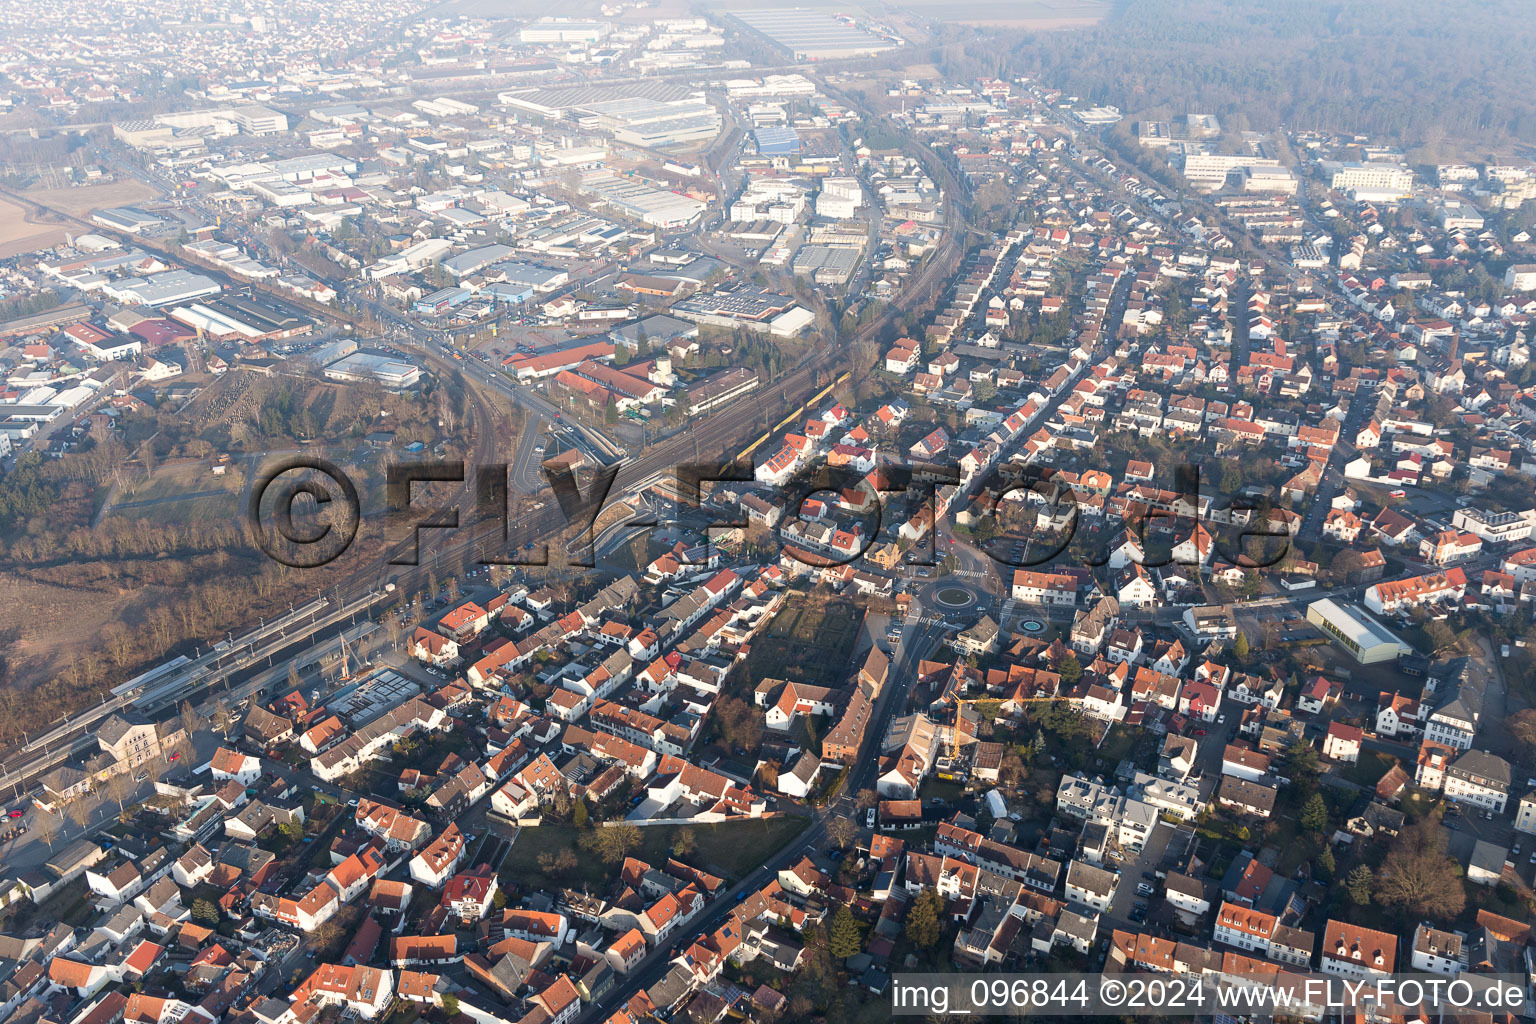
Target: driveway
1151 855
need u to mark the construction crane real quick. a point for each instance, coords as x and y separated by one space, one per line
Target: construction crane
346 666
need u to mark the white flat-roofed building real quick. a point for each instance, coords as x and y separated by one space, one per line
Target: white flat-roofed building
1099 117
814 35
1495 527
475 260
770 86
127 218
161 289
791 322
423 253
1211 170
827 264
259 120
392 373
562 30
1263 178
644 202
1373 180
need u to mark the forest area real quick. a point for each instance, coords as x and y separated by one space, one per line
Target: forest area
1446 80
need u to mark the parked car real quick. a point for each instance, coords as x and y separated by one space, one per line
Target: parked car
869 818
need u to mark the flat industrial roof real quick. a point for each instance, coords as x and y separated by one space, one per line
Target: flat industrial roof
812 32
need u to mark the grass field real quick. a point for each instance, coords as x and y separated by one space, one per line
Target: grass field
1369 769
183 493
729 849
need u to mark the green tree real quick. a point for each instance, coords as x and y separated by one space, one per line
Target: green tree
1326 862
450 1003
1240 646
923 926
1314 814
685 843
205 911
844 940
1359 884
1439 635
1300 762
579 813
1070 669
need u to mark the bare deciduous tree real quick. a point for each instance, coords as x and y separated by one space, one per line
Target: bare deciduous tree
842 832
47 828
120 787
79 811
1418 878
191 721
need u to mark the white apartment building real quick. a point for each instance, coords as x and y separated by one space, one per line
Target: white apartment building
1373 180
1495 527
1478 778
1044 588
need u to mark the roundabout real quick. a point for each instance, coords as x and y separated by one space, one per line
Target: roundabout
952 598
960 603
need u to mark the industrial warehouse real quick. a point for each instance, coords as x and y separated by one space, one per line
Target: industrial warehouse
230 316
812 35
